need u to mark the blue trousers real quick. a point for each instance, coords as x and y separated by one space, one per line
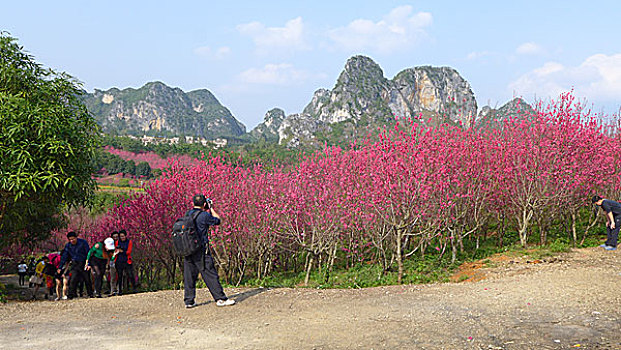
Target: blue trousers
613 235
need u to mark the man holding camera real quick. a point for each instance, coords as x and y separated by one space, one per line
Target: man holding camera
201 260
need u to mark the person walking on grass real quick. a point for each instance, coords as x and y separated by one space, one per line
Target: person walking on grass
201 260
613 220
76 251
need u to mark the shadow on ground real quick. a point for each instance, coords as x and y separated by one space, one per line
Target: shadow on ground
240 297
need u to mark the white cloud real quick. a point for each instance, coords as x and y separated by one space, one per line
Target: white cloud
598 78
529 48
275 74
266 39
399 29
208 52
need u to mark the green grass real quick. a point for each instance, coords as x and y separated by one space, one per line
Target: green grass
418 270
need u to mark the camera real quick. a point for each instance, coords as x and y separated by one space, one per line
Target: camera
209 203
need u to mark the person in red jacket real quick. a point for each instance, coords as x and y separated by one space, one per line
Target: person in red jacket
124 261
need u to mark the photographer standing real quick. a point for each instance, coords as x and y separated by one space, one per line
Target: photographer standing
201 260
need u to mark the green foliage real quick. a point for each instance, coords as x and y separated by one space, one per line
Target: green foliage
144 169
3 293
102 201
47 141
130 167
363 275
240 150
112 163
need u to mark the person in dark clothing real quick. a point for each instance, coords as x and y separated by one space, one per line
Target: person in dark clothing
613 220
76 251
114 277
31 270
201 260
22 269
124 261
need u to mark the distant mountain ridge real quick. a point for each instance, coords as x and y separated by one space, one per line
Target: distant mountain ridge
516 108
361 101
362 96
159 110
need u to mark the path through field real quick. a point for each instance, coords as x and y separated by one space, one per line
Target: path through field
567 302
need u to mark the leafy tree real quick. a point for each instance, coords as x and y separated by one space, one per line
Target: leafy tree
47 141
143 169
130 167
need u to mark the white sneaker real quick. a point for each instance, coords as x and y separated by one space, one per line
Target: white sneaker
64 297
189 306
226 302
57 299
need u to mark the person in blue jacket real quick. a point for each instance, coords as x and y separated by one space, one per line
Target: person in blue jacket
76 251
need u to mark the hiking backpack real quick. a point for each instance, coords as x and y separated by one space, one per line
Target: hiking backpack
185 237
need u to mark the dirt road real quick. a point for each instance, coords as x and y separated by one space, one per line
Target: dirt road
572 301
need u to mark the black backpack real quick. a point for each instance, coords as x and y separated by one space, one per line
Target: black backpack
185 237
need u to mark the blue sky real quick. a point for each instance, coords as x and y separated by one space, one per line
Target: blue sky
256 55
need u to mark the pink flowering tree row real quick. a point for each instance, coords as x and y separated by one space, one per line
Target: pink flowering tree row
416 190
154 160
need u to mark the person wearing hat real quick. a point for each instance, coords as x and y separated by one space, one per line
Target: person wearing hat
76 251
201 260
613 220
97 259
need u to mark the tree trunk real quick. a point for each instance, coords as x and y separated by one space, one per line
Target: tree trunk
331 266
309 266
574 234
523 223
543 232
399 256
453 251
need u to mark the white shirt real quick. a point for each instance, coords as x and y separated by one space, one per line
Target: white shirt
22 268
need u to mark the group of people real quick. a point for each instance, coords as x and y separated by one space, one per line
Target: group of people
79 266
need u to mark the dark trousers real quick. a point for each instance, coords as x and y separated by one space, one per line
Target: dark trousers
98 267
200 262
78 274
22 278
125 269
613 235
